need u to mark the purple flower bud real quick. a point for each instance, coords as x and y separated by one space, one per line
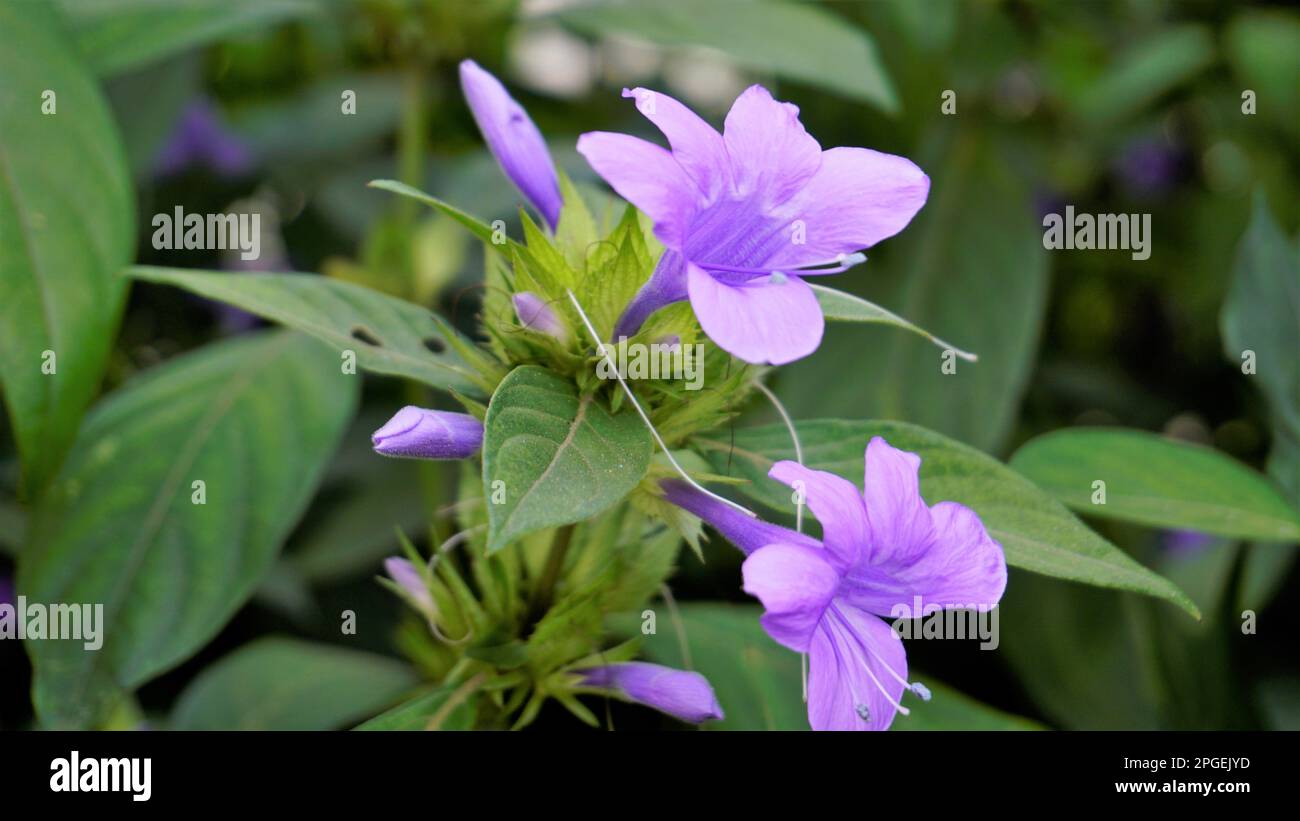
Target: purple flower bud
679 693
429 434
407 576
535 315
513 139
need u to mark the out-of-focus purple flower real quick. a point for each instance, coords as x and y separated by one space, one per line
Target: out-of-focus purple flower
407 576
1048 201
1185 542
1147 167
201 140
513 139
679 693
745 214
881 550
535 315
419 433
6 590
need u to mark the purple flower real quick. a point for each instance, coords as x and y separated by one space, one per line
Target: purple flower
1185 542
6 590
419 433
679 693
201 139
407 577
535 315
1147 167
745 214
881 549
513 139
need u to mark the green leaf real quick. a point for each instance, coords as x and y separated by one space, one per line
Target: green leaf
1130 663
67 215
1260 321
1149 68
561 458
476 226
305 126
388 335
838 306
971 268
255 419
1156 481
1261 314
792 40
577 229
758 682
363 502
287 684
1263 48
435 706
118 35
1036 532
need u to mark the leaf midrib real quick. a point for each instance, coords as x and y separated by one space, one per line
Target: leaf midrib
157 511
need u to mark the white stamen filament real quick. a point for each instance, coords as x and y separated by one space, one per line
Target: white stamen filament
838 265
914 686
798 507
858 649
645 417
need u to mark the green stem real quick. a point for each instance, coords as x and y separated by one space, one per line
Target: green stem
544 593
410 140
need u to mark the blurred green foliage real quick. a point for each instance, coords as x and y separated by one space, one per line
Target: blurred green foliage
1113 107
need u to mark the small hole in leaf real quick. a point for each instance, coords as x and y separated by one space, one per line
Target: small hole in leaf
435 344
362 335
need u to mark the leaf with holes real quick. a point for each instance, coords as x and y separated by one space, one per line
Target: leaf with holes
553 457
66 227
388 335
288 684
1035 530
172 507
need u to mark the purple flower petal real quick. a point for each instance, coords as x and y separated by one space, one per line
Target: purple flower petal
745 532
679 693
696 145
900 521
837 505
419 433
857 668
761 203
647 176
764 320
771 154
794 583
513 139
822 599
857 198
941 555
